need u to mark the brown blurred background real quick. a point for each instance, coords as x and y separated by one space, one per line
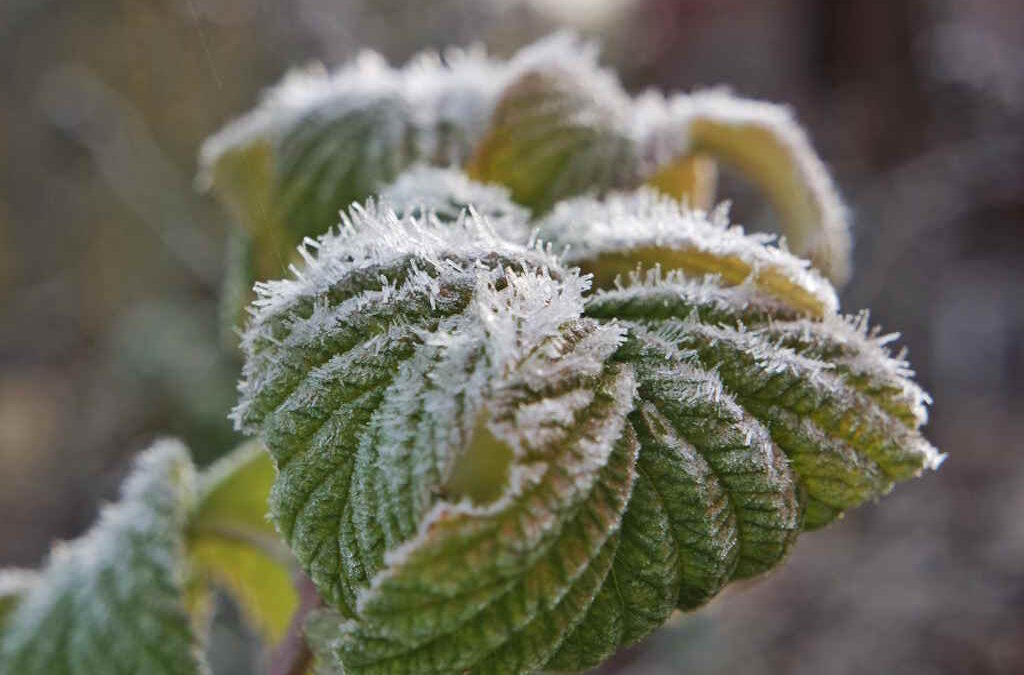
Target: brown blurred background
110 264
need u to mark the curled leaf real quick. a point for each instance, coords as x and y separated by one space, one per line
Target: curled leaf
611 238
320 141
554 136
485 468
844 411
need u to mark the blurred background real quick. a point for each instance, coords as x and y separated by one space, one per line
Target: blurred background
110 264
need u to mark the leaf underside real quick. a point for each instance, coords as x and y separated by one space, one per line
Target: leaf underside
634 449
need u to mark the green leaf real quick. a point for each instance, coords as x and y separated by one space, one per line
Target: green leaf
233 545
374 451
612 238
320 141
331 158
233 494
558 133
484 468
767 145
844 411
111 601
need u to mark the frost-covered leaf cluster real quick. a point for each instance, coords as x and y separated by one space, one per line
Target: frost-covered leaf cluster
549 123
485 466
528 398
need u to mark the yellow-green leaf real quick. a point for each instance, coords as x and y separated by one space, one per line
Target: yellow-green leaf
233 545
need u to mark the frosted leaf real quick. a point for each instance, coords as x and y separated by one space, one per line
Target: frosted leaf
765 142
367 78
610 238
816 411
486 468
577 60
111 601
860 353
369 372
320 141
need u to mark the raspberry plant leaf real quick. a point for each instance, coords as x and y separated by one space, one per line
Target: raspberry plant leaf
320 141
485 467
764 142
232 544
112 601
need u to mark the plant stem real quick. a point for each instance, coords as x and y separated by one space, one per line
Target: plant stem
292 655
